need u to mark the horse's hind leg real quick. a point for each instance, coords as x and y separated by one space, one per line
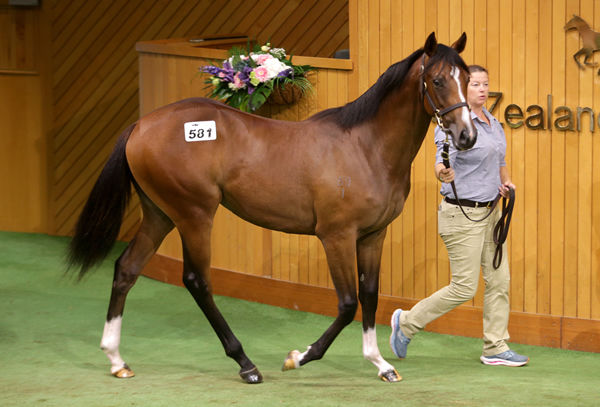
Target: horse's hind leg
155 225
195 236
369 251
588 54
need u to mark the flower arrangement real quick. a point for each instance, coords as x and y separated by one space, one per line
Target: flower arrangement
248 78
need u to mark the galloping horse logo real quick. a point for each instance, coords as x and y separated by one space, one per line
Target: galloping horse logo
591 40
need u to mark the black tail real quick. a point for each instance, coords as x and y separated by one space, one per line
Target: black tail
100 221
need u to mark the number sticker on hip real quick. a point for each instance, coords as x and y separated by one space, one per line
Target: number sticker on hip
200 131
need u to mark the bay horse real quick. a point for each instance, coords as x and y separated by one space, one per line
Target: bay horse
590 38
278 175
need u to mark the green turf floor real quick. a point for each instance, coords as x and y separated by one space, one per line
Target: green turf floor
50 329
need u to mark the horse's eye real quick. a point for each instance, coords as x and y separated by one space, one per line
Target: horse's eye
437 83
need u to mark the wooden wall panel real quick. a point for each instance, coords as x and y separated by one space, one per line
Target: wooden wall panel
595 215
553 249
571 163
544 168
23 119
19 35
22 155
95 71
557 172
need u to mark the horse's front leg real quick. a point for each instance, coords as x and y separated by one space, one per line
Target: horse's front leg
369 251
576 57
340 249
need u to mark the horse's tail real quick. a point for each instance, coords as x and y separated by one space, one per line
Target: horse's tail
98 225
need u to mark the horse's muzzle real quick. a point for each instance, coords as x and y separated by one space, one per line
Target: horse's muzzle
466 141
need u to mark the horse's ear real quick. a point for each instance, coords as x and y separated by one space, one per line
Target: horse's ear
460 43
430 45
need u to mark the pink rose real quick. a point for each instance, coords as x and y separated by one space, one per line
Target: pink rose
261 73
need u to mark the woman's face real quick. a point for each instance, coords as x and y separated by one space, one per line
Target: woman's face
478 89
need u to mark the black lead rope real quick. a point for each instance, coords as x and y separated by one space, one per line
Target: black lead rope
501 228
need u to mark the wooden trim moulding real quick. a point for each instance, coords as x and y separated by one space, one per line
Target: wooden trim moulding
526 328
24 72
182 47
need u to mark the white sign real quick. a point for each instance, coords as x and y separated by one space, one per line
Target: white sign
200 131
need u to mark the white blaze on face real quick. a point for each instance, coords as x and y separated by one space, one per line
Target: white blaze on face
466 117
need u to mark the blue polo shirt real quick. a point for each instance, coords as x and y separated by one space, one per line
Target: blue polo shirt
477 170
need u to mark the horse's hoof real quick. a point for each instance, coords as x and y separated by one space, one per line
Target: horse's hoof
390 376
291 361
124 373
251 376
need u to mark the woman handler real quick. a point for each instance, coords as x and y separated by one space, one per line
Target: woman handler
480 173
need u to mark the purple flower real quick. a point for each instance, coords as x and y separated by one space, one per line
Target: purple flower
244 74
213 70
287 72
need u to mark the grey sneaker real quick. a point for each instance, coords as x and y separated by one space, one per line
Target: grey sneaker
508 358
398 342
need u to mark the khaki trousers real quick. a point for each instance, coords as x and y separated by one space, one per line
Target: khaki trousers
470 248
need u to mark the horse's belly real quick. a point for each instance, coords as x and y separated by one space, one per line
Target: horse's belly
284 215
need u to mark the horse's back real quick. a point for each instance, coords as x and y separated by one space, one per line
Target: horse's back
194 131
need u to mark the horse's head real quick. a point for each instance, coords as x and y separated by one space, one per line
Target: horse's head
445 76
575 23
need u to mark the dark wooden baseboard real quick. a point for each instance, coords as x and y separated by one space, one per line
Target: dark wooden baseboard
526 328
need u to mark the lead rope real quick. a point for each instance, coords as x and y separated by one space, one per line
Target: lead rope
501 228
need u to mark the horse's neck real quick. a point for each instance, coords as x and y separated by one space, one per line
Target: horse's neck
582 27
401 124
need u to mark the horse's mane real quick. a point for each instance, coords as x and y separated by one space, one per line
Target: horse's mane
579 20
367 105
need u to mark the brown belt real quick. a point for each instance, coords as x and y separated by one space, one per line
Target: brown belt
470 204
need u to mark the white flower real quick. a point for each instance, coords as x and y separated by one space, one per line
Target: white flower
278 53
274 67
266 47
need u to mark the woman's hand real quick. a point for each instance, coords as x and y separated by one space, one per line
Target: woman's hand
446 175
504 189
